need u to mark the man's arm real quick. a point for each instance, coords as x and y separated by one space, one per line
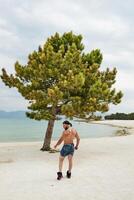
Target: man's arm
59 141
77 140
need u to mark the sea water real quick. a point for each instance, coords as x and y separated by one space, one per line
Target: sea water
12 130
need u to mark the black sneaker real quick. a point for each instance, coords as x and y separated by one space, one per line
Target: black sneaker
68 174
59 175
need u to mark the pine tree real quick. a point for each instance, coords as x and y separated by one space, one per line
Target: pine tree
60 79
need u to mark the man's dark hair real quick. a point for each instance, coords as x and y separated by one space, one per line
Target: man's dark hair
67 122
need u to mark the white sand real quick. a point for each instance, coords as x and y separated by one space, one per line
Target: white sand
103 170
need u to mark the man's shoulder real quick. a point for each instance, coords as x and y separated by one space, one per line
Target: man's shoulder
69 130
73 130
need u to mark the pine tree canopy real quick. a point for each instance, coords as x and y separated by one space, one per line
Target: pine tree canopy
61 79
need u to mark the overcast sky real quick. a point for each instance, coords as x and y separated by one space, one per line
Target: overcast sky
107 25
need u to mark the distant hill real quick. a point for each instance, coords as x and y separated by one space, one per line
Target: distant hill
18 115
21 114
13 114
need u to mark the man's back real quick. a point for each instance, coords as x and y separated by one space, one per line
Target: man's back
69 135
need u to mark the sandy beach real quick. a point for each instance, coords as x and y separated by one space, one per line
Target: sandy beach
117 123
103 170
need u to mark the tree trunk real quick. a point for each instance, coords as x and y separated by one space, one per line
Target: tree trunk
48 136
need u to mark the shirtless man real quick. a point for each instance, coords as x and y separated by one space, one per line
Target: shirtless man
68 135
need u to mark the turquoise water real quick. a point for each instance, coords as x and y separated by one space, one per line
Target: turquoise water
31 130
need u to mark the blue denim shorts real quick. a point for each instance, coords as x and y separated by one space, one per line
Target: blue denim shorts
67 149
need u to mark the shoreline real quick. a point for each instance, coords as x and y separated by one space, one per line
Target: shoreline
128 124
113 123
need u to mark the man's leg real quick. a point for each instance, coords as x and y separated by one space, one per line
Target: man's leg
59 173
70 160
61 159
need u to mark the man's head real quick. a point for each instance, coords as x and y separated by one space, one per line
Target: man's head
66 124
